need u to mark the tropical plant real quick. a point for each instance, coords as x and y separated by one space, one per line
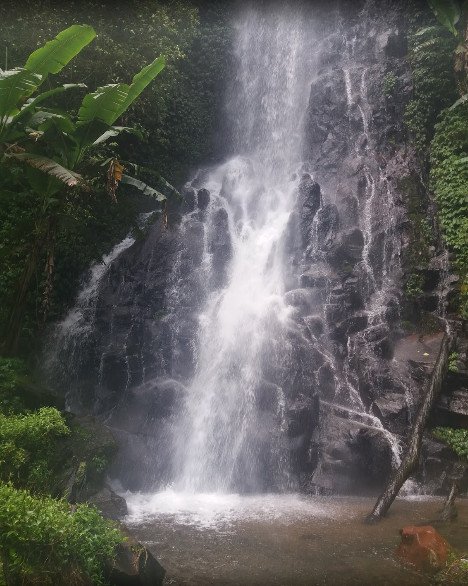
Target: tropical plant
447 12
453 15
51 146
45 541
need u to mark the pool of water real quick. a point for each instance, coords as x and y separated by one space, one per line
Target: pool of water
282 540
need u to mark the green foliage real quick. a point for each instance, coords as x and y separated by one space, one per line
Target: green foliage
449 183
177 117
447 13
389 84
57 53
454 574
430 55
457 439
413 285
13 377
29 448
453 362
43 539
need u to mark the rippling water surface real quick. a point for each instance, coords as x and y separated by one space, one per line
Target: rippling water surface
286 540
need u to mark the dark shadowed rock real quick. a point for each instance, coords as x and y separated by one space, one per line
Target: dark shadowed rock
134 565
189 196
203 197
109 503
392 408
327 226
309 202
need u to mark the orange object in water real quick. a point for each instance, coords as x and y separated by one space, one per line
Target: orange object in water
423 548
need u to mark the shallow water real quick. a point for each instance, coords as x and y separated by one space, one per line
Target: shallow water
282 540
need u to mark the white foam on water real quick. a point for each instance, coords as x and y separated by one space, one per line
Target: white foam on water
221 510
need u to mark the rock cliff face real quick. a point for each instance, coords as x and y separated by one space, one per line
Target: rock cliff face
354 374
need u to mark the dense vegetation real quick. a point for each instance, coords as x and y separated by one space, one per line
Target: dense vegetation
437 118
45 461
42 539
175 118
68 192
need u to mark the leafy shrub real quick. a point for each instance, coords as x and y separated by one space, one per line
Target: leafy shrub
29 448
43 538
13 376
453 362
430 56
449 182
413 286
457 439
389 84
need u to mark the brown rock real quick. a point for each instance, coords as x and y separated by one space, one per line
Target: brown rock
134 565
423 548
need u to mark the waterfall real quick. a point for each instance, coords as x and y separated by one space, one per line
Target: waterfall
251 346
67 339
224 440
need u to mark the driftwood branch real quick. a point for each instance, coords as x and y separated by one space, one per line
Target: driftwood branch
411 457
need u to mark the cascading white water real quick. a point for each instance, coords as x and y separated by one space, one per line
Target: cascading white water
223 441
67 338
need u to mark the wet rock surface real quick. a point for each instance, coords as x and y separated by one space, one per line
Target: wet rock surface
134 565
111 505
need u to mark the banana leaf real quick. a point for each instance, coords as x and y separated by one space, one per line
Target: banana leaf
55 54
143 187
447 13
48 166
15 85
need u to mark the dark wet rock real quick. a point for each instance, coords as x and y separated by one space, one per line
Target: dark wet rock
384 349
266 396
349 326
315 324
319 275
347 250
134 565
220 244
189 195
203 198
111 505
304 299
327 226
394 43
302 418
392 409
326 380
452 407
310 199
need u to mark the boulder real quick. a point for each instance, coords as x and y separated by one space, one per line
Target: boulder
188 193
423 548
134 565
203 198
109 503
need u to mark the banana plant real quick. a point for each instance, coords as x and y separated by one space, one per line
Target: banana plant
453 15
52 145
447 12
17 85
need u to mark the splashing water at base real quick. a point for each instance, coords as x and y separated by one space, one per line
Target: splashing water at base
222 510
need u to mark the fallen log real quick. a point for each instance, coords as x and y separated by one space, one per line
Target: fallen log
411 457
